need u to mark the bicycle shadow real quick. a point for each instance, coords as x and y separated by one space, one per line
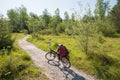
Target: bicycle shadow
53 63
68 73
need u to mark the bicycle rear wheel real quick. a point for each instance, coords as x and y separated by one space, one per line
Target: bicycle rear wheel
66 63
50 56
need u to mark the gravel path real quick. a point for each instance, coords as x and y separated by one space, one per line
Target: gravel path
51 68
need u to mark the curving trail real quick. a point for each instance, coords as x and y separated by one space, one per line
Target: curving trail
51 68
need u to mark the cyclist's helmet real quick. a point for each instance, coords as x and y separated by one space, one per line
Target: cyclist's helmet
60 44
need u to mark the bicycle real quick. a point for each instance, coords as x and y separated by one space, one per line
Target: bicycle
51 55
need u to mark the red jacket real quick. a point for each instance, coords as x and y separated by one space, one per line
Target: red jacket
62 51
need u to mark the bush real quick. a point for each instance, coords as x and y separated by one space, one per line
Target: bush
37 36
103 59
11 66
5 35
7 68
104 65
46 31
114 73
26 57
116 35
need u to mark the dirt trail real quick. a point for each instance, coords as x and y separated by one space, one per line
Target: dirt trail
51 68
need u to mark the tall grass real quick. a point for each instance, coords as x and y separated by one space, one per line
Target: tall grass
18 65
104 62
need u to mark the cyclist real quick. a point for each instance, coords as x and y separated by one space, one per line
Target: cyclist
62 51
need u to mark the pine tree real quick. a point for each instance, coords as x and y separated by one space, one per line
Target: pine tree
115 16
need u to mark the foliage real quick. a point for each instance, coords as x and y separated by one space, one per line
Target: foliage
55 22
11 67
46 18
66 16
18 64
102 8
105 27
18 18
89 30
5 35
34 24
14 20
114 16
102 61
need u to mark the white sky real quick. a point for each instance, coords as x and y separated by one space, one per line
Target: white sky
38 6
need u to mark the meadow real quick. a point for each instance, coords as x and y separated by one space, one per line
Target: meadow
18 65
104 62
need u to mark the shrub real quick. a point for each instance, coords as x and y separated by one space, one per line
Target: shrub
7 68
5 35
11 66
46 31
26 57
37 36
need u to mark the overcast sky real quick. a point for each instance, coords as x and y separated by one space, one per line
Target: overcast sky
38 6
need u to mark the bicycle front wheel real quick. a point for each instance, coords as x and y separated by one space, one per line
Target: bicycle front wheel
50 56
66 63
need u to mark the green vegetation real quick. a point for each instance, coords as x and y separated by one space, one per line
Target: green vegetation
18 65
91 38
5 35
103 62
114 16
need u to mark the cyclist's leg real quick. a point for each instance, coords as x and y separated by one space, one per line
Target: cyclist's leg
66 61
67 57
58 57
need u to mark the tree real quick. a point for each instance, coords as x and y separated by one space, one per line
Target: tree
66 16
115 16
55 21
57 12
14 20
67 23
5 34
73 17
46 18
102 8
23 16
101 18
34 23
33 15
88 16
86 32
18 18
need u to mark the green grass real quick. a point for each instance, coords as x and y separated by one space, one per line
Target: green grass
102 63
18 65
78 58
